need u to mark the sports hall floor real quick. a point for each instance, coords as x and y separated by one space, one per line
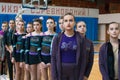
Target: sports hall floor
95 73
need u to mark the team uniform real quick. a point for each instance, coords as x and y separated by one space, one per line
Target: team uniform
46 46
17 47
33 52
23 48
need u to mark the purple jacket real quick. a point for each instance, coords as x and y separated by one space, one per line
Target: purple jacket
56 58
1 32
89 57
103 62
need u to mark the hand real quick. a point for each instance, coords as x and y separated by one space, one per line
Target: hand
10 51
21 64
13 60
11 48
6 47
85 78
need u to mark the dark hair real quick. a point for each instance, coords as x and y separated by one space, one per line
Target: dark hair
37 20
12 20
5 22
61 17
30 23
113 23
53 21
79 22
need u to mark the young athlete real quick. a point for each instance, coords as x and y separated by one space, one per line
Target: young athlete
29 29
68 57
109 56
17 19
33 52
17 56
61 23
46 47
81 28
8 39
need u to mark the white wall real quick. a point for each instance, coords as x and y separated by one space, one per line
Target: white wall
104 19
101 33
107 18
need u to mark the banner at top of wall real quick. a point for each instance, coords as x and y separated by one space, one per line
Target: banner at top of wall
11 8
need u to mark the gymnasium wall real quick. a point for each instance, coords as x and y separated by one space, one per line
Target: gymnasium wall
89 15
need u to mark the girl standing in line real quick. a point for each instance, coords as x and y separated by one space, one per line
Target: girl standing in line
109 56
81 28
33 52
61 23
46 47
8 39
29 29
17 19
17 46
68 58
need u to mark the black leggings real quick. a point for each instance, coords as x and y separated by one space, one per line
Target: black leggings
10 65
